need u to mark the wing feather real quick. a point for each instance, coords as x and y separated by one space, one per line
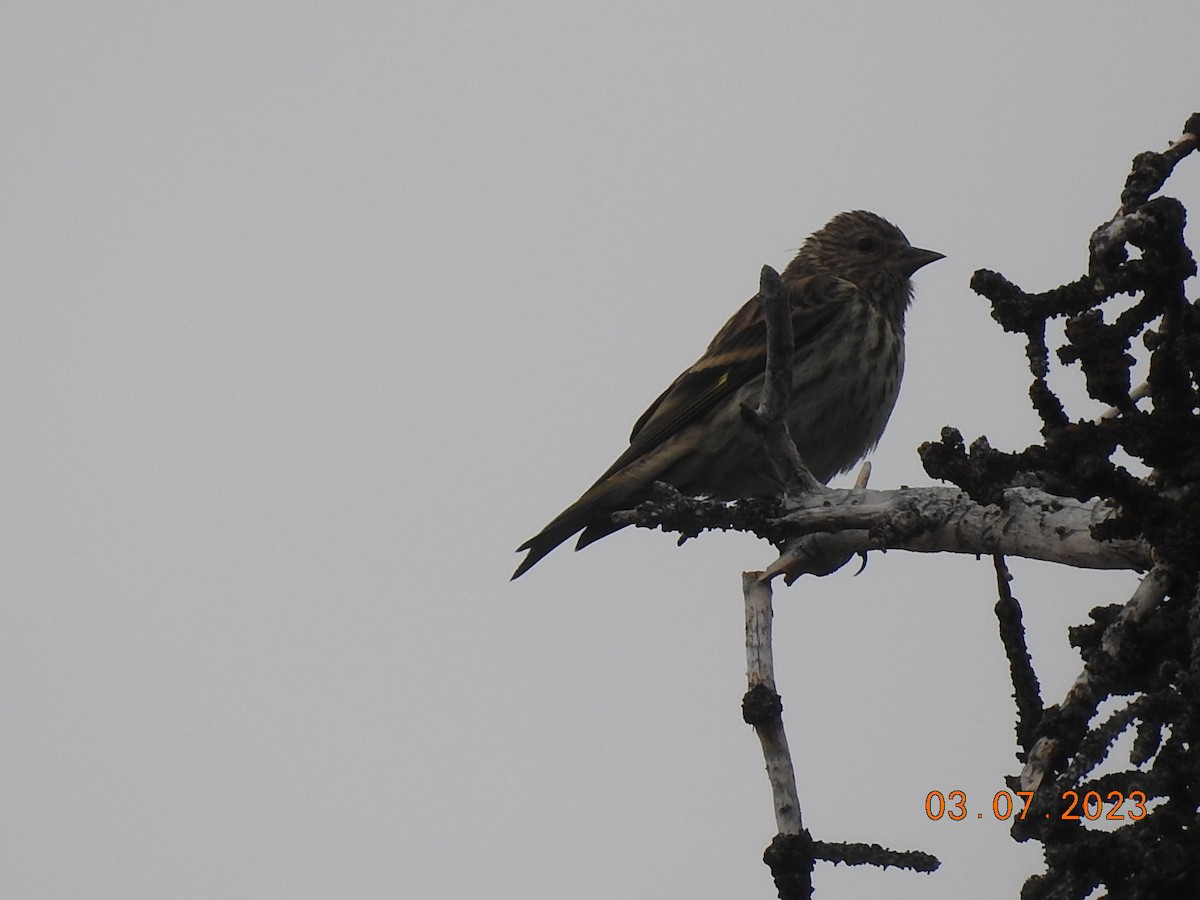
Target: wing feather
736 356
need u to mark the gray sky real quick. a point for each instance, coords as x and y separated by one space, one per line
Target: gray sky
313 312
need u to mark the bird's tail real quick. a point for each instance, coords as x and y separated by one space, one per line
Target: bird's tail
589 514
561 529
544 541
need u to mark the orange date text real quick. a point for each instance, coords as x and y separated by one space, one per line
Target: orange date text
1112 807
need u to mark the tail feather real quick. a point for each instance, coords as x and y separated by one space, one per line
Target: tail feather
594 532
544 541
584 515
591 514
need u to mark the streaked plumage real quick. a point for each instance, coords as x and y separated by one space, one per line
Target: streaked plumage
849 288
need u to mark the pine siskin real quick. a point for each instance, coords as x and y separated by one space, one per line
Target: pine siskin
848 288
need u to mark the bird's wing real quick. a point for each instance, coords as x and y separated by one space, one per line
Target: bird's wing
736 355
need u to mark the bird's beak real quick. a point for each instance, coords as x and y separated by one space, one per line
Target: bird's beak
910 259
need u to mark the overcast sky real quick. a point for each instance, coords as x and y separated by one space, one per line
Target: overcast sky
314 312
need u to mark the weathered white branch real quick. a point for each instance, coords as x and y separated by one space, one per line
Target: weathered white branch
1030 523
767 713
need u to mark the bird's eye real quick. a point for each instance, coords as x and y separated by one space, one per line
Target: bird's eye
865 244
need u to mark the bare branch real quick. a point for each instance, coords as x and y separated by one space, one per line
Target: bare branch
770 419
819 533
762 706
1031 523
1026 691
793 852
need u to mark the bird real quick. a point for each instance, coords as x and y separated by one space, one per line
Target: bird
848 289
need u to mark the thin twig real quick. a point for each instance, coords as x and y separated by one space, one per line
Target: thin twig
770 419
1026 691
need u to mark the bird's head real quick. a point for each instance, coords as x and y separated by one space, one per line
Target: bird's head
863 248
